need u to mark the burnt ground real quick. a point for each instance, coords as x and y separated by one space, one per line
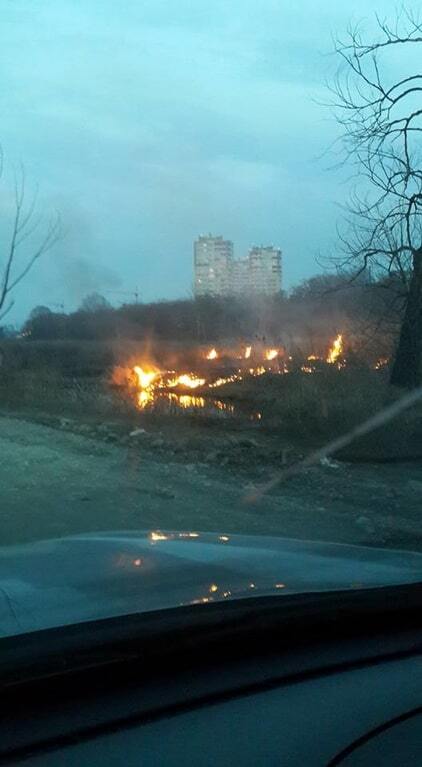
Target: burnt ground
70 477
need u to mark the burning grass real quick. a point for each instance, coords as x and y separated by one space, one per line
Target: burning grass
303 401
297 410
151 383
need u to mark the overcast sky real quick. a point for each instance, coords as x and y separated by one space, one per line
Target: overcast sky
146 122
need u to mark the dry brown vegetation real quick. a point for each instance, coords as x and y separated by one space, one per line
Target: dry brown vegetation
298 409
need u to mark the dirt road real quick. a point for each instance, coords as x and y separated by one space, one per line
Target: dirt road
54 483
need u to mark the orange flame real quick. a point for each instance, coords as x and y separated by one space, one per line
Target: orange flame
145 397
212 354
189 380
187 401
145 378
336 350
271 354
222 381
248 351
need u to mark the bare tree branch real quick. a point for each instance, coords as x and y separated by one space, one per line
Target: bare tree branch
381 120
24 226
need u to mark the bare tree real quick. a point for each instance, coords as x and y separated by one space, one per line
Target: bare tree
29 239
94 302
381 116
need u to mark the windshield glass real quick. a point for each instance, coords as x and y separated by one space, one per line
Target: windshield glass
210 303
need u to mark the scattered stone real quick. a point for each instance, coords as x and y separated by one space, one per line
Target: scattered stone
111 438
103 428
249 491
137 433
65 423
366 524
158 443
248 442
165 493
109 426
83 428
329 463
211 456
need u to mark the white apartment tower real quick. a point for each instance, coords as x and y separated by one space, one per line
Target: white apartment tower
265 270
217 273
240 278
213 259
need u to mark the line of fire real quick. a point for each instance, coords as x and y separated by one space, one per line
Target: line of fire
196 387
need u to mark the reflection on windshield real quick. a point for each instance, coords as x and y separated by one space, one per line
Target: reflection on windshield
104 575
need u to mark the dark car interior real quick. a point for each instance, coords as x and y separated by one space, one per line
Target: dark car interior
313 679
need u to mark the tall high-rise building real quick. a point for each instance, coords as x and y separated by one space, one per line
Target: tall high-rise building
213 257
240 282
217 273
265 269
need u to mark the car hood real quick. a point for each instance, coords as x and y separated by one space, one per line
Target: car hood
101 575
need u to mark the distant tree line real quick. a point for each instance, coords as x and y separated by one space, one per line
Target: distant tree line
319 306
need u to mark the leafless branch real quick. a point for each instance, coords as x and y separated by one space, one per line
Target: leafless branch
23 250
381 118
